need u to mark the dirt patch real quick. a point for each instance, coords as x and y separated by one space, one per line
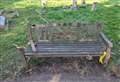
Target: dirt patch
66 69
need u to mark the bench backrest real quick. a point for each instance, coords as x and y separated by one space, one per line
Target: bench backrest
65 32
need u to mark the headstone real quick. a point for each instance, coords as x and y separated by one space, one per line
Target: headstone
65 6
43 3
83 3
74 5
2 22
94 6
43 6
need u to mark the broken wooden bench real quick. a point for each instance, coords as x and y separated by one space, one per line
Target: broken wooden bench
66 40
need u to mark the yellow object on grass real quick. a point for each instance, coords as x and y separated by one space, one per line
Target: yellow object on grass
102 57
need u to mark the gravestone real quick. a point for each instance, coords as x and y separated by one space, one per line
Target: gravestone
74 5
2 22
43 6
94 6
83 3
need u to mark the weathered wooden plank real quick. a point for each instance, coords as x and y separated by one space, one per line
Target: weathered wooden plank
64 54
86 31
77 42
67 49
68 44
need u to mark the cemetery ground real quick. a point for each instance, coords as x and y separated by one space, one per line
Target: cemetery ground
11 62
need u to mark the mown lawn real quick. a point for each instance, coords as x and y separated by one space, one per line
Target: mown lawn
108 12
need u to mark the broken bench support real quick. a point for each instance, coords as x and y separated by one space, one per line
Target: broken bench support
109 46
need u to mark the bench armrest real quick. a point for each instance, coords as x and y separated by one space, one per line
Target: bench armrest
32 45
30 38
106 40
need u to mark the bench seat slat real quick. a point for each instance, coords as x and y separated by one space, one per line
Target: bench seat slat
77 49
64 54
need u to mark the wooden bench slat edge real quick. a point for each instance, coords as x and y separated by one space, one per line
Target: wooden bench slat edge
109 43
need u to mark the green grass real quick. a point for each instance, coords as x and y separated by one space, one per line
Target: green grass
108 12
